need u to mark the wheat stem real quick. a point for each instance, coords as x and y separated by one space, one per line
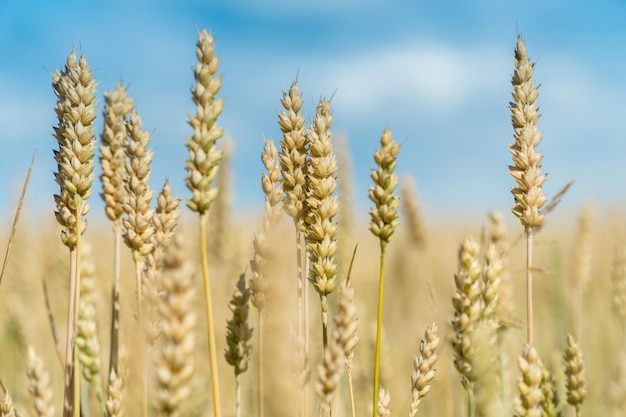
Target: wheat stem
379 323
209 315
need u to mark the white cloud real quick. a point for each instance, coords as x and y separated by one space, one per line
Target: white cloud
438 75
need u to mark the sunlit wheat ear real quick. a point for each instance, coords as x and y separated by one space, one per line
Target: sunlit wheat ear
138 228
412 214
321 236
293 154
384 213
115 395
87 334
528 403
116 108
492 280
498 233
39 385
273 190
424 367
75 89
526 159
175 364
576 383
204 157
468 308
384 401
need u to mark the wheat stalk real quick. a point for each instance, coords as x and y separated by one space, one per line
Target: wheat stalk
383 223
75 90
526 168
202 167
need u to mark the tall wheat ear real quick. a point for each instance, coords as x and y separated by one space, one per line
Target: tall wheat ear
576 382
424 367
526 168
76 111
294 148
322 206
383 223
202 167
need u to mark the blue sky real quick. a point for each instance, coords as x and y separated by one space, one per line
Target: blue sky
436 73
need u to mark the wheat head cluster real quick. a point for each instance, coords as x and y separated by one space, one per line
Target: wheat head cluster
184 311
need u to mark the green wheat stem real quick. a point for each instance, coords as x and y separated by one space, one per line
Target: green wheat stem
379 324
209 316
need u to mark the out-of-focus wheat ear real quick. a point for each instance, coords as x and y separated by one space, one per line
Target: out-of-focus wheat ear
528 402
492 276
264 251
39 385
583 253
115 395
498 235
76 111
221 249
87 334
468 306
576 383
204 157
384 401
321 236
238 332
165 220
238 335
345 192
549 392
329 373
412 213
526 168
347 325
7 408
117 106
202 167
273 190
424 367
175 364
616 387
618 280
383 223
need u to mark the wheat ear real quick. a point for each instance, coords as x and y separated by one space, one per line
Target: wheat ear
293 169
175 365
526 168
424 367
202 167
383 223
238 335
39 385
76 111
528 403
322 206
262 242
576 383
137 222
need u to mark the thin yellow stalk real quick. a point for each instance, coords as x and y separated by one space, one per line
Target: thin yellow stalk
379 323
77 254
115 302
529 286
209 315
260 365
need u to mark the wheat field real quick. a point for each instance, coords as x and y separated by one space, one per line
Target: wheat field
174 306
